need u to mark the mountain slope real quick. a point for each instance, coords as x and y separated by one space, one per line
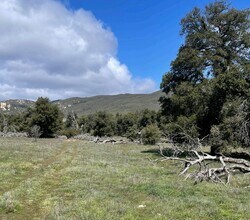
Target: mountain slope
15 105
111 103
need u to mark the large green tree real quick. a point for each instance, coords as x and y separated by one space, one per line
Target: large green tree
217 41
47 116
211 68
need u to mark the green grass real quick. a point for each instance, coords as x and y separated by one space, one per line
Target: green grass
55 179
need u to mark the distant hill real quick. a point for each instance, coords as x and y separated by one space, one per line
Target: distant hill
15 105
122 103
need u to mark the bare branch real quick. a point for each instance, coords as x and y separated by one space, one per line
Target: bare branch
217 175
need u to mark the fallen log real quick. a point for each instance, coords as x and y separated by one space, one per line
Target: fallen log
204 172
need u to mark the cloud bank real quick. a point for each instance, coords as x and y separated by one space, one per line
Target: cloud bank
49 50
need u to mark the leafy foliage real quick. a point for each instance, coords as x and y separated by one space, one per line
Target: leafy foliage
210 74
125 124
147 117
151 134
47 116
98 124
216 42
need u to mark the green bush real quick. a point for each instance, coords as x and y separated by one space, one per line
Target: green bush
182 125
132 133
150 134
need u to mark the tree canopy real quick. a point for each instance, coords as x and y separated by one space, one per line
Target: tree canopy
47 116
211 71
217 41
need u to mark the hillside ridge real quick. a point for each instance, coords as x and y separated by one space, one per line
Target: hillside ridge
120 103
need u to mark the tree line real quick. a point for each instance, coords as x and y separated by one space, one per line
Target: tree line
207 90
51 122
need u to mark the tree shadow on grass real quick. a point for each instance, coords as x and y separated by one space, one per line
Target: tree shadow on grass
168 152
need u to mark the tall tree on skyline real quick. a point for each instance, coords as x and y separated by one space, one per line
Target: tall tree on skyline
211 69
217 41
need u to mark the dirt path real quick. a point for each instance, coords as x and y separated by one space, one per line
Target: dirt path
48 179
36 172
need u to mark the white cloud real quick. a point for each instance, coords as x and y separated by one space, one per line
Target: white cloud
48 50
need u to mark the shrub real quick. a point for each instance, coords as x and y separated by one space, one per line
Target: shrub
132 133
150 134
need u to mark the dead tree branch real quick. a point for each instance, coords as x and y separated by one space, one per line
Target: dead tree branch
191 155
220 174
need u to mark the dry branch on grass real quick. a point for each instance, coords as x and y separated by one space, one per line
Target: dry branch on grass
110 140
203 162
204 172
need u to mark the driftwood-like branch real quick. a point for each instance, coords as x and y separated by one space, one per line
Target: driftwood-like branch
112 141
204 172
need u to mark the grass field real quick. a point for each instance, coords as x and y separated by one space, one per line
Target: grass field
56 179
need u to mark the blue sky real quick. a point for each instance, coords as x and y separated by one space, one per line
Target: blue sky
78 48
147 30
